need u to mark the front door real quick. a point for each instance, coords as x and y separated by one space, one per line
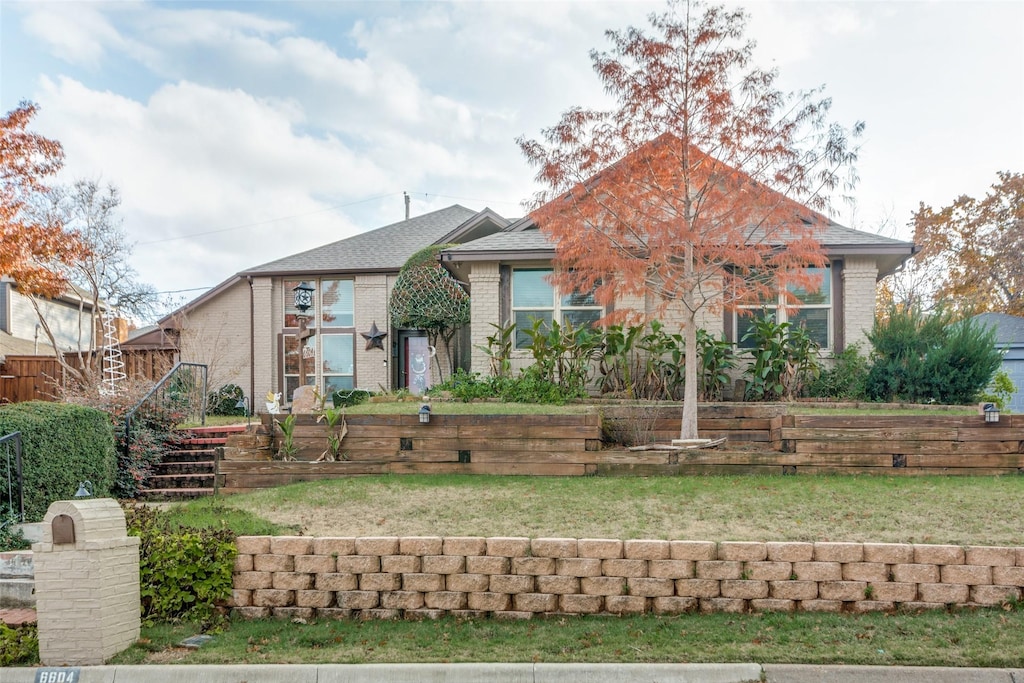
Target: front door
414 361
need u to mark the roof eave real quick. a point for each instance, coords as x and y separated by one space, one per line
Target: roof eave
498 255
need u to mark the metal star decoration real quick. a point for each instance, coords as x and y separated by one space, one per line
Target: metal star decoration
374 338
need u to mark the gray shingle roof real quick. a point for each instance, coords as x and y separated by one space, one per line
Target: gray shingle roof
385 248
834 236
527 240
1009 328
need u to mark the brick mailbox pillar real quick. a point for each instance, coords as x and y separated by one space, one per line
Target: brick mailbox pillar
87 583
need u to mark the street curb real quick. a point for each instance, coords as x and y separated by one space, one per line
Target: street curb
525 673
409 673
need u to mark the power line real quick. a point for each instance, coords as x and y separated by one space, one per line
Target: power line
466 199
266 222
319 211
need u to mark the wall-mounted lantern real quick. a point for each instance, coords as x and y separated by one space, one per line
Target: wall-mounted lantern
303 296
991 411
424 414
303 300
84 489
244 404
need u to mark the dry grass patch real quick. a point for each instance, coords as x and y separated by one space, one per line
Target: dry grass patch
957 510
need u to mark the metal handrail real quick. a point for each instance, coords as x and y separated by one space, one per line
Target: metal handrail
14 437
166 379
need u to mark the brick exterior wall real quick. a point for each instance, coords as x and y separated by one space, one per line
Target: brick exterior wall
216 333
371 305
417 577
485 304
265 342
859 277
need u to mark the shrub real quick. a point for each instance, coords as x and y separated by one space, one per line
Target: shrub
930 358
62 445
999 391
225 400
345 398
11 538
716 359
467 387
785 358
18 645
845 379
562 355
185 573
151 429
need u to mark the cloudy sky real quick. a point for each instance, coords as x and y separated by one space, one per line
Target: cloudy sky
240 132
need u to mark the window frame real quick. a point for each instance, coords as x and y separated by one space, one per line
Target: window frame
315 374
785 311
557 309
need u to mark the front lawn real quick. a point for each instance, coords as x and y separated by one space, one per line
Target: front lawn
987 637
957 510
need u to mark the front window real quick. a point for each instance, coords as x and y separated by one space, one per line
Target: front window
534 298
329 355
812 311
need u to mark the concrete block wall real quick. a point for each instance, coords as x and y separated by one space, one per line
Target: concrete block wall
427 577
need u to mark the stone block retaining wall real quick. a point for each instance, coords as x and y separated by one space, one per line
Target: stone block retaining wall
427 577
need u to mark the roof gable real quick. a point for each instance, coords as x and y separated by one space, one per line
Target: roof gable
383 249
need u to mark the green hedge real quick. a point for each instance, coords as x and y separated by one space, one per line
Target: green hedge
62 444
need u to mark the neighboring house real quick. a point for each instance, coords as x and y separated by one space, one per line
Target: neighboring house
69 317
1009 331
246 328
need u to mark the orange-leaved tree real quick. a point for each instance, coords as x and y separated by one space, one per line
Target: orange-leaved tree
971 250
32 248
702 188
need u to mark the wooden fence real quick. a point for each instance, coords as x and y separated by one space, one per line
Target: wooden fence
29 378
35 378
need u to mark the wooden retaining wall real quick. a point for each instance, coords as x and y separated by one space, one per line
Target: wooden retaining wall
761 440
747 423
559 445
916 445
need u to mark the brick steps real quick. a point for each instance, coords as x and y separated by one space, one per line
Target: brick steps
190 470
174 494
17 616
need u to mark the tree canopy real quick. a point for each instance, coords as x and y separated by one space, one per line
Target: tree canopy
32 248
702 188
427 297
971 250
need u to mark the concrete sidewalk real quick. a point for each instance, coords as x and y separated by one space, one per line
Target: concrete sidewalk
527 673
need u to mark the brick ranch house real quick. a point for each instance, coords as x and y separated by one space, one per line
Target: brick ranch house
246 326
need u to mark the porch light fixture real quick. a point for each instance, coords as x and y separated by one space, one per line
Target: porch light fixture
303 297
303 300
424 414
991 412
244 404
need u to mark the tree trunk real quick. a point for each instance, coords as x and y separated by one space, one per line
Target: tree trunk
688 428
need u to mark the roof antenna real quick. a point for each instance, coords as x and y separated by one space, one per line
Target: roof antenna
406 195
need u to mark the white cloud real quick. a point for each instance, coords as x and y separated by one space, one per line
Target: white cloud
75 32
242 116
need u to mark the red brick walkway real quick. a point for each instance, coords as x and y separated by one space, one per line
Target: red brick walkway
19 616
